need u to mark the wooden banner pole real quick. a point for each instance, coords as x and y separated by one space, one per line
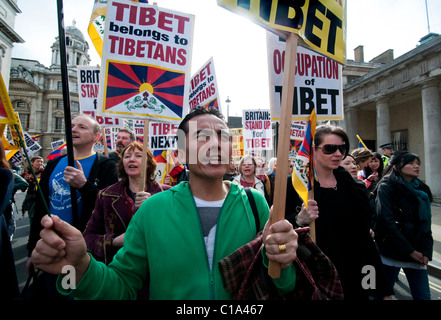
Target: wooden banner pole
284 136
103 134
144 154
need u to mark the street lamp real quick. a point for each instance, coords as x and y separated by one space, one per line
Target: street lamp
228 109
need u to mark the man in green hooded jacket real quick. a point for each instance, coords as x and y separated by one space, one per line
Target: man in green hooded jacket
176 238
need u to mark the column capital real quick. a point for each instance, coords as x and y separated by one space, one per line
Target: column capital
431 82
383 99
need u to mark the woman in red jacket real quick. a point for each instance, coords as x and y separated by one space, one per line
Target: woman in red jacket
116 204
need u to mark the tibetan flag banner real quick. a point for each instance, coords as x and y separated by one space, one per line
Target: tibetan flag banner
303 173
145 72
35 138
161 165
56 153
10 149
7 115
96 23
361 143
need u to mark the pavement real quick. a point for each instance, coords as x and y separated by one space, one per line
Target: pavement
22 232
434 267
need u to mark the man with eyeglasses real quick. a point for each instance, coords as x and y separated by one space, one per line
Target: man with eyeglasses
178 236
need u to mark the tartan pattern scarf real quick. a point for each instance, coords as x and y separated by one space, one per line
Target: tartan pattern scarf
245 277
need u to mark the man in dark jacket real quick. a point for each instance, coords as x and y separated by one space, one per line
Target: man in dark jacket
92 172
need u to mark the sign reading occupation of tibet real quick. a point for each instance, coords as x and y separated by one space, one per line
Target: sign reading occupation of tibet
318 82
319 23
89 83
257 130
203 87
145 62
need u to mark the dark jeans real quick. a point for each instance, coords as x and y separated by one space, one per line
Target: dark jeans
418 281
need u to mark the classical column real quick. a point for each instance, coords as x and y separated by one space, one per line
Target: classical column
49 115
383 122
430 94
351 127
33 116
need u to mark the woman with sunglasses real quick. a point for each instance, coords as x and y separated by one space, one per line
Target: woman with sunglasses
341 212
403 224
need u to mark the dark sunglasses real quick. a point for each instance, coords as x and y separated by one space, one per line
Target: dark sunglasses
331 148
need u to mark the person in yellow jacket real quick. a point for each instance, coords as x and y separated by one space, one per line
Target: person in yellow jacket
177 237
387 149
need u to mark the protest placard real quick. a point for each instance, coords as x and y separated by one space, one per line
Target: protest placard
203 87
56 144
146 62
32 147
298 129
257 130
162 136
318 82
238 151
321 24
88 84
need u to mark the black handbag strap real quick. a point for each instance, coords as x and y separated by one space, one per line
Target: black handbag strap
254 208
32 276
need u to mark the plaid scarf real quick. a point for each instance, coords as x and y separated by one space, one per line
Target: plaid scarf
245 277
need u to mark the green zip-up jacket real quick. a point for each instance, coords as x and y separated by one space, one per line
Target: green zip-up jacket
164 243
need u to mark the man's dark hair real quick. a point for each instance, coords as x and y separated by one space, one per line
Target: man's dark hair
130 132
197 112
183 126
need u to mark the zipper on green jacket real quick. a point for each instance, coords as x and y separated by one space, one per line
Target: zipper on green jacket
211 274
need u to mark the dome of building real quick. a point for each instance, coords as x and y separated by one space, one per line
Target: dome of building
74 31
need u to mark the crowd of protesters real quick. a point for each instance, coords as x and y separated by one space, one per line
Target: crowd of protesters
133 238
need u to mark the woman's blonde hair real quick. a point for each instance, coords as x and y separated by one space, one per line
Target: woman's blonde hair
151 163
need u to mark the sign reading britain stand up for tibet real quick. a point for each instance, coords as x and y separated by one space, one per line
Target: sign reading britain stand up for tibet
88 83
146 62
257 130
318 82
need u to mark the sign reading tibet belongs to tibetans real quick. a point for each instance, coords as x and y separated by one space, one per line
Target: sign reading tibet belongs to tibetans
146 61
203 87
318 82
319 23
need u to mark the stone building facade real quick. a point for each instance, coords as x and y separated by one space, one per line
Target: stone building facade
398 101
36 90
8 12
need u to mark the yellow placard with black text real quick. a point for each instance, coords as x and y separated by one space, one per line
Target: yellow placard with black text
321 24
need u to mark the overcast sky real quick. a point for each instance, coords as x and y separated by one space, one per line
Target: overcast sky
237 45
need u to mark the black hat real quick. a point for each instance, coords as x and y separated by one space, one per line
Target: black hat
387 146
